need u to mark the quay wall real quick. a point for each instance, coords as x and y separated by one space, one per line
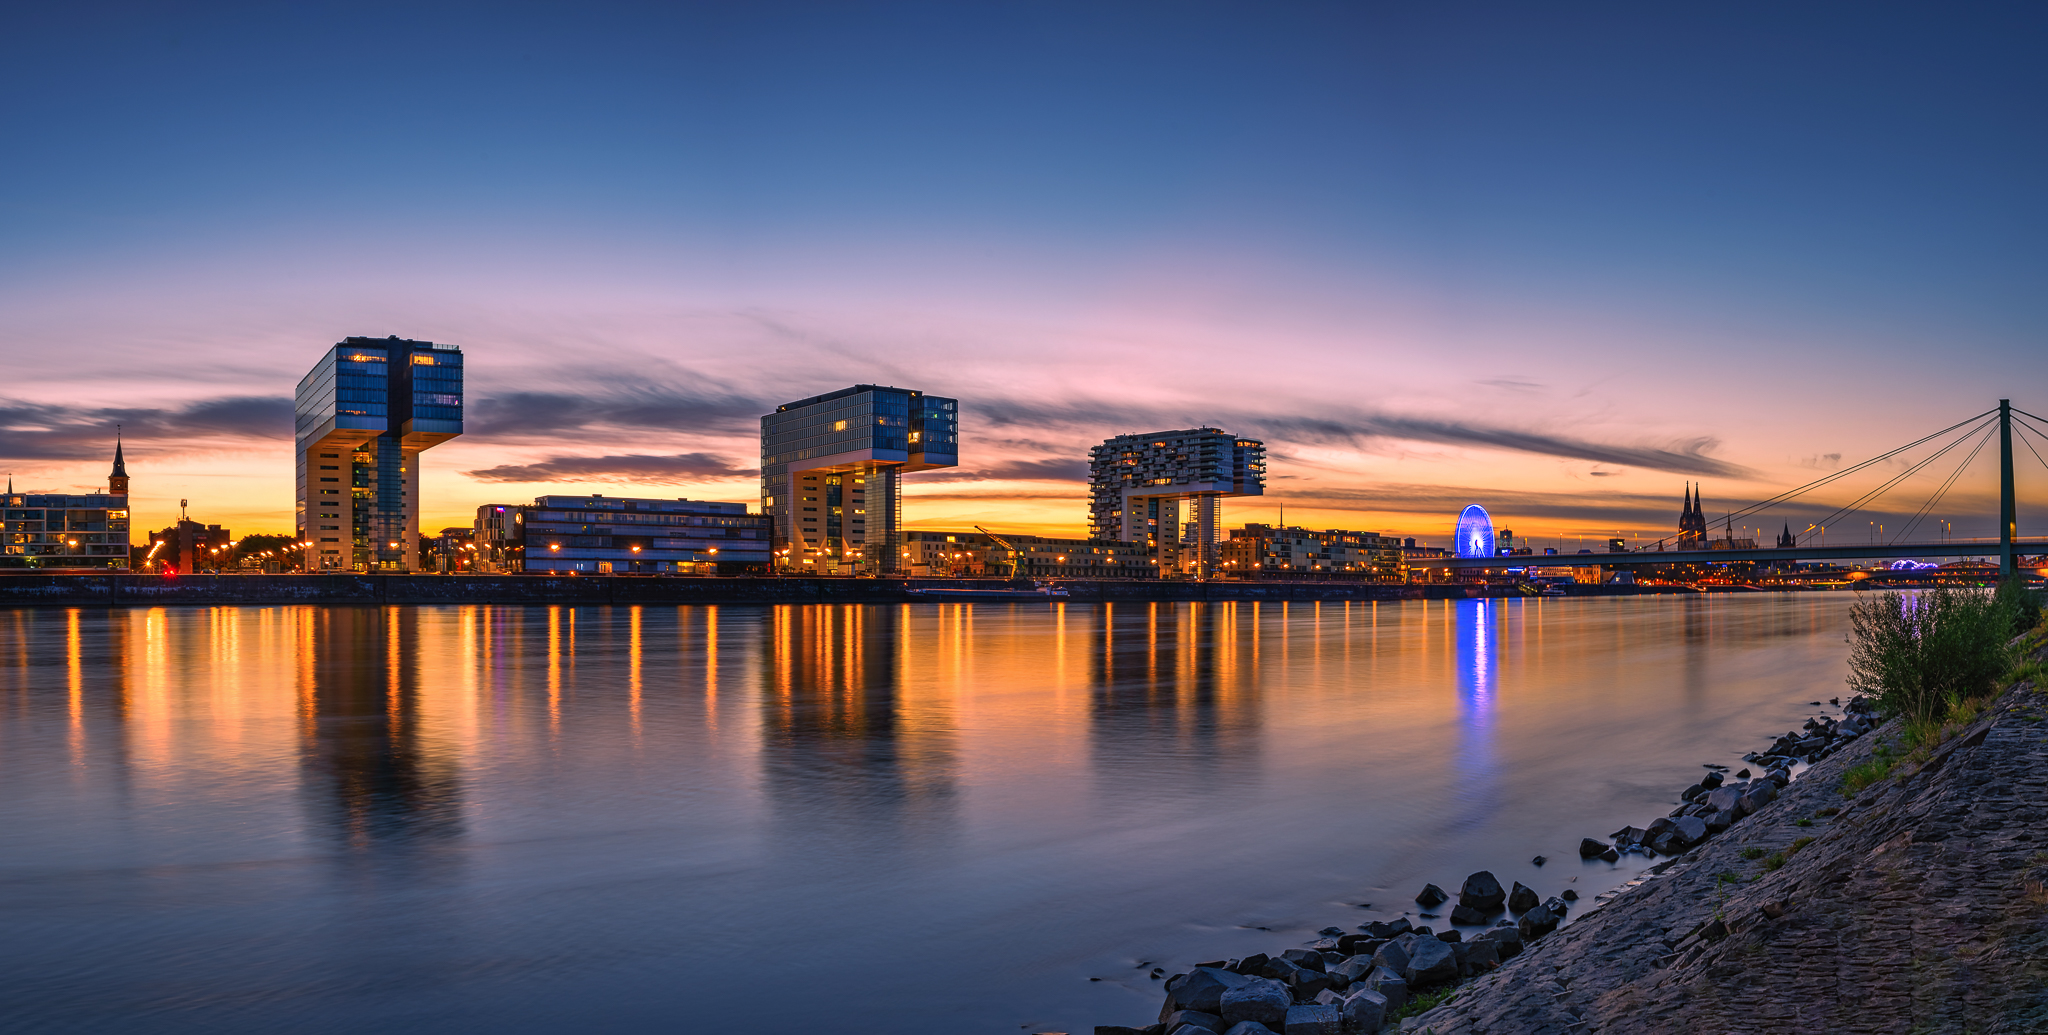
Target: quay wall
110 590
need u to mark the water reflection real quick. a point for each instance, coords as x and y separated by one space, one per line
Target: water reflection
1476 625
850 747
532 819
1170 705
370 775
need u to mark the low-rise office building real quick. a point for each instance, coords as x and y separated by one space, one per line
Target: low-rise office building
968 554
59 530
1263 551
601 535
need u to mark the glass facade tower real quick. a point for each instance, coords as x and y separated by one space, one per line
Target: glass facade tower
831 473
364 413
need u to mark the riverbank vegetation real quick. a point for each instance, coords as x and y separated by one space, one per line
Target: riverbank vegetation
1935 659
1925 655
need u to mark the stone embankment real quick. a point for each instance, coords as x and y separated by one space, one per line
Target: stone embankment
1787 904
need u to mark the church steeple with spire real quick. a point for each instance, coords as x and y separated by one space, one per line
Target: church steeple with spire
1692 522
117 481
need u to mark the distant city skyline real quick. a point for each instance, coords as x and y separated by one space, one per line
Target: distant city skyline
1557 264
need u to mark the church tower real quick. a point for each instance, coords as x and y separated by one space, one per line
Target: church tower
1786 540
117 481
1692 522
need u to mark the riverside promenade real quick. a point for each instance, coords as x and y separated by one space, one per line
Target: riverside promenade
58 590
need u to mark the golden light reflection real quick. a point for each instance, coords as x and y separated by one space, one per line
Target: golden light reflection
633 667
555 667
74 664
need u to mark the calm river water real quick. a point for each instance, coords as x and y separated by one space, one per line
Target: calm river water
890 819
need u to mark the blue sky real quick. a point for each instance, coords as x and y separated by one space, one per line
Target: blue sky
1754 236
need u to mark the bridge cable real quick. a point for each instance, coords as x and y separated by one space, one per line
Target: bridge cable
1857 504
1935 499
1845 472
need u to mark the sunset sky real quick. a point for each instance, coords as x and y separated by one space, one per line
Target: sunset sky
1556 264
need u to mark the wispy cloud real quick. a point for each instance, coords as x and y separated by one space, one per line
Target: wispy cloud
1360 429
1049 470
45 431
636 469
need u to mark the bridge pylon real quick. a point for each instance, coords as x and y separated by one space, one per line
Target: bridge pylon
2008 510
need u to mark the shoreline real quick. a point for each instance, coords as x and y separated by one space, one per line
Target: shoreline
1913 904
113 590
1483 924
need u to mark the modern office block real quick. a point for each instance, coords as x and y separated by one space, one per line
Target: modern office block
364 414
831 473
1138 483
602 535
59 530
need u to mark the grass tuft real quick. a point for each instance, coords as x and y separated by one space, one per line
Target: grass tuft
1774 860
1752 853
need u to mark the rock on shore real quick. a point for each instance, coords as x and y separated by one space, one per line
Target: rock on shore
1918 906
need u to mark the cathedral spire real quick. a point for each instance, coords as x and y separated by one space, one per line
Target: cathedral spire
117 479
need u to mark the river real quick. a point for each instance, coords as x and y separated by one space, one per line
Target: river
923 818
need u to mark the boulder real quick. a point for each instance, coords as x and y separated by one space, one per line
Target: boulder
1722 799
1250 1028
1690 829
1390 985
1570 895
1282 970
1534 924
1631 835
1591 849
1366 1010
1431 962
1203 989
1309 958
1259 999
1425 931
1250 964
1781 777
1711 781
1691 792
1611 855
1467 915
1720 821
1481 956
1206 1021
1314 1019
1482 892
1117 1029
1557 906
1393 956
1538 861
1431 895
1522 898
1507 941
1452 937
1353 969
1761 793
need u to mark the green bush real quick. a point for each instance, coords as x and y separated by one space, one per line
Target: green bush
1917 654
2020 605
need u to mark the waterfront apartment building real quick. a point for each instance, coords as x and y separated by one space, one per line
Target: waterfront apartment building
364 413
832 469
1262 551
1138 483
62 531
962 554
604 535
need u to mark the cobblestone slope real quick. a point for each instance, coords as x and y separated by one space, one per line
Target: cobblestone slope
1920 907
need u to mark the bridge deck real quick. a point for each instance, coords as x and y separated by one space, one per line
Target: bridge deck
1986 549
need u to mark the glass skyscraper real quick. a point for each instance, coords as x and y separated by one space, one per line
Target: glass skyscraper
364 413
832 467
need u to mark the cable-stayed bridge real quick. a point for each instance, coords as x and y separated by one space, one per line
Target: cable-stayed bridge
1976 433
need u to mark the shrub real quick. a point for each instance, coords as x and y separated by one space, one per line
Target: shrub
1917 655
2020 606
